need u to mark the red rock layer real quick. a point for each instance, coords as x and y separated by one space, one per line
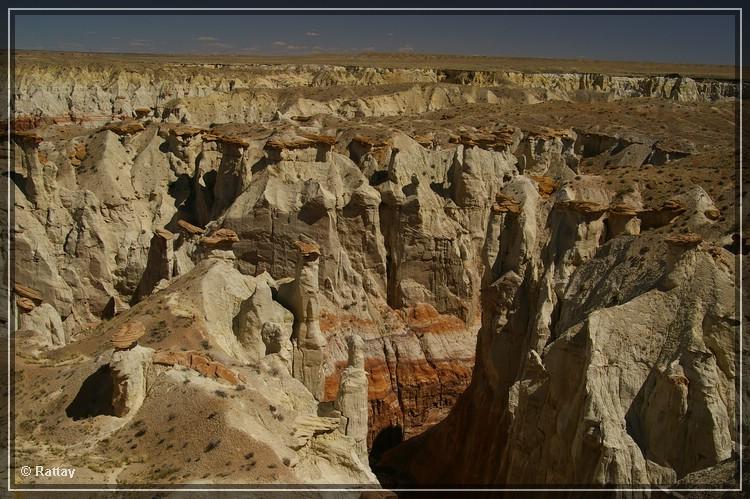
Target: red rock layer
410 394
200 363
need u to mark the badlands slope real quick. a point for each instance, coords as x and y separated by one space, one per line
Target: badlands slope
443 270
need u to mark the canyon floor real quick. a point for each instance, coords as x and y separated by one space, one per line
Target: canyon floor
385 270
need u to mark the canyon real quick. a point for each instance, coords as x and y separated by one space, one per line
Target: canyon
398 273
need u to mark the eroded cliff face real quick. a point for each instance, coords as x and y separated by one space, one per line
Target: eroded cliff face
215 93
413 299
282 228
602 358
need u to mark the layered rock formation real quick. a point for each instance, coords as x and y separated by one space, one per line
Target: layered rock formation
99 92
178 345
316 267
601 357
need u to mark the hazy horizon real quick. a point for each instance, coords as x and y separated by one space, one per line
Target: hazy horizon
276 56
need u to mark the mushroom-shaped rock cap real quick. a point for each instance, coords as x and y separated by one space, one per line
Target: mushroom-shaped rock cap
623 209
141 111
164 234
186 131
190 228
319 139
585 207
425 140
27 292
545 185
125 127
232 140
688 240
127 336
673 205
27 136
221 236
307 249
546 133
371 141
25 304
505 204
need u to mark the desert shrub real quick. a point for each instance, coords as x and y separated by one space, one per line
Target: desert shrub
211 445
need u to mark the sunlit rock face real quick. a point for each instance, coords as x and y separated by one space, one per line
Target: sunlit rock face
346 268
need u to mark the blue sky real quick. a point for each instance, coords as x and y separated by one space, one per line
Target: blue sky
678 38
